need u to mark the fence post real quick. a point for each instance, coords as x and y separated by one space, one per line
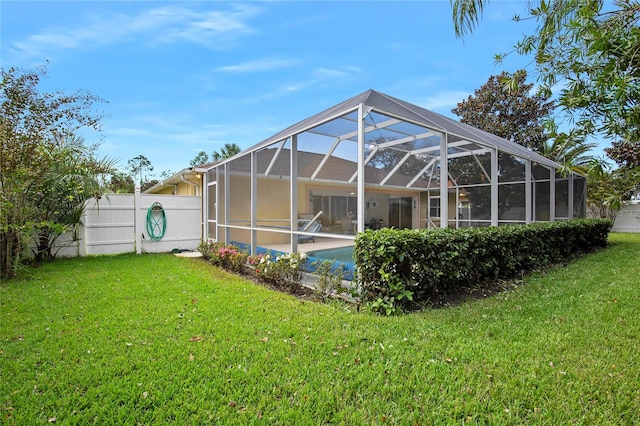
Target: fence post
137 222
82 234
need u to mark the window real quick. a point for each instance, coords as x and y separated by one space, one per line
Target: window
434 207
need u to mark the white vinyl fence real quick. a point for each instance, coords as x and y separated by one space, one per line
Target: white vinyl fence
117 223
628 219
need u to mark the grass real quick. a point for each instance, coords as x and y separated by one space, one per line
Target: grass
159 339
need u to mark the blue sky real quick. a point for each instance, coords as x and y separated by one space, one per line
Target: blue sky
181 77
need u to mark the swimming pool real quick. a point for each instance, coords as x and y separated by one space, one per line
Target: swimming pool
341 256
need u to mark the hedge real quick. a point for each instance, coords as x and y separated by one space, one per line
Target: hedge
396 266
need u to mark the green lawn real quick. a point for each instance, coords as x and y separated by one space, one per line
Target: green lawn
155 338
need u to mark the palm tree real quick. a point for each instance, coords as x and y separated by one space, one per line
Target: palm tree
70 177
227 151
571 153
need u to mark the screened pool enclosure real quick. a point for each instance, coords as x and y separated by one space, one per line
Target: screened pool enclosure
376 161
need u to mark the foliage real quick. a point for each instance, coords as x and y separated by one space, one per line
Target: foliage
166 174
148 184
505 107
138 165
121 183
571 152
626 155
156 339
389 157
509 111
281 269
47 172
329 282
68 182
608 190
229 257
207 248
587 52
201 158
396 267
227 151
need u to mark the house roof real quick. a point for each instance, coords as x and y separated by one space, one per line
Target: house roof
176 178
385 119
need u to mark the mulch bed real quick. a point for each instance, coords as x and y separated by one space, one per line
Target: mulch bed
439 301
464 294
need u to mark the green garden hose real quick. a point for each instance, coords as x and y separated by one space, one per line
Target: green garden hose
156 221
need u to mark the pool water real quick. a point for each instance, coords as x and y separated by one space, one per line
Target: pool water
342 254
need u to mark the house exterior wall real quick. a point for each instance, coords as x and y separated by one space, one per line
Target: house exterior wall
165 190
178 187
185 189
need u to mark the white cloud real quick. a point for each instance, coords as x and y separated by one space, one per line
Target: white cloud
169 141
315 77
320 76
325 73
175 129
259 65
168 24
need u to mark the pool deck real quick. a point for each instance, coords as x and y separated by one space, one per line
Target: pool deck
322 243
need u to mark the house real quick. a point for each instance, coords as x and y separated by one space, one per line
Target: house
373 161
185 182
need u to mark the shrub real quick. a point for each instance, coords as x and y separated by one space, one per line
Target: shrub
282 270
329 278
398 266
228 257
207 248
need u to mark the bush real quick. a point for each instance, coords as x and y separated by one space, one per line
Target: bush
207 248
228 257
399 266
282 270
329 278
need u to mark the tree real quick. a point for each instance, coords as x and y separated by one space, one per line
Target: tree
626 155
148 184
68 181
569 150
586 53
121 183
37 166
227 151
166 174
389 157
509 111
138 165
608 190
201 158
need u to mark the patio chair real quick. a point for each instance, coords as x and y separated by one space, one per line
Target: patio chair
346 225
314 227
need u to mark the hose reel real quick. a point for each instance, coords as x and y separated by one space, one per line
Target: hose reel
156 221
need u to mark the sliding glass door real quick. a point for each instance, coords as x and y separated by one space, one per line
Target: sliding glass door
400 212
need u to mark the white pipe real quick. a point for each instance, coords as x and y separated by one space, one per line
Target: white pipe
190 183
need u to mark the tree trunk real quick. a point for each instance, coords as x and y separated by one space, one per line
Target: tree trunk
9 253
